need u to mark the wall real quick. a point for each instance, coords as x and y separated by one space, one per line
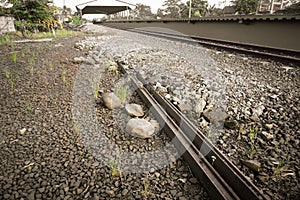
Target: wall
283 34
6 24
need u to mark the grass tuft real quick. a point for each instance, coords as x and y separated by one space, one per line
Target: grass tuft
14 57
121 92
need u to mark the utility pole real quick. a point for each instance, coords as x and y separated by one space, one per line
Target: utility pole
190 10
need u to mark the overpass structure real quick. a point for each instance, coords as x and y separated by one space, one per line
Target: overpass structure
106 7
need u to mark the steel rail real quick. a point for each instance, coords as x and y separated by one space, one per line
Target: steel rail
284 55
220 177
205 174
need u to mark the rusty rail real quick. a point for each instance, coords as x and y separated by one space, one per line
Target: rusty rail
221 178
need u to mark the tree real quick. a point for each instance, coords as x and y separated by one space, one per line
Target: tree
142 11
245 6
172 9
33 11
199 8
160 13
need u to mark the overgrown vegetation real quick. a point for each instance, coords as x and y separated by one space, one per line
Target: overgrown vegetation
35 16
58 33
245 6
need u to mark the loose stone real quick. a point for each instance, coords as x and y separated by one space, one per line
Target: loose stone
140 128
134 110
111 101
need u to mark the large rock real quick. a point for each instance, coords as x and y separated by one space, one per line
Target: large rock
140 128
111 101
134 110
214 115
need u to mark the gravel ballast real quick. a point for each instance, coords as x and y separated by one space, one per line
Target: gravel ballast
59 141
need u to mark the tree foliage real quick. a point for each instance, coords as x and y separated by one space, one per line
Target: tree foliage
33 11
245 6
172 8
32 15
142 11
199 8
175 9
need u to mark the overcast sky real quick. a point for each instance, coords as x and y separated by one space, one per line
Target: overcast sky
154 4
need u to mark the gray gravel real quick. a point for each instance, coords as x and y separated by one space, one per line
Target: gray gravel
76 148
260 98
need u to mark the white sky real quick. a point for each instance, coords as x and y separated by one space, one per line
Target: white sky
155 4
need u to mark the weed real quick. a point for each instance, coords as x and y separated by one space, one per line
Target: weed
9 76
57 33
253 133
23 53
145 186
14 57
27 106
279 167
241 130
12 84
213 159
51 67
114 169
8 73
77 20
252 136
64 77
5 39
209 134
121 92
96 90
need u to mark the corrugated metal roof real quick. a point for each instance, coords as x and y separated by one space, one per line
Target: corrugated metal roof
103 7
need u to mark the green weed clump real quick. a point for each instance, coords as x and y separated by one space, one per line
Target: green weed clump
5 39
14 57
9 76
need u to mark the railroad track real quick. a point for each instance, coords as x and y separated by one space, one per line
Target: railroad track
284 55
221 178
280 54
